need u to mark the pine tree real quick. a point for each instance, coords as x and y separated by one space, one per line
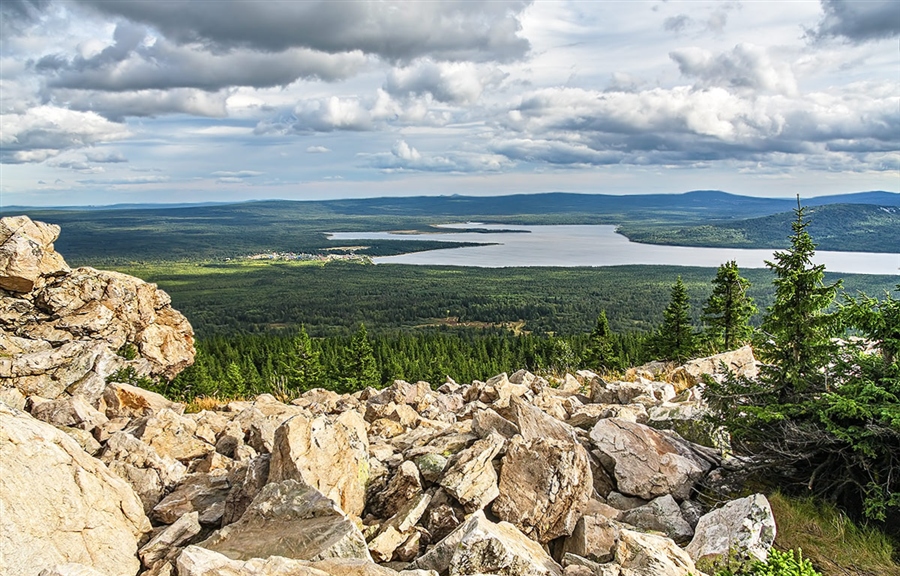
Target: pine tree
729 308
797 328
599 354
360 368
675 339
302 369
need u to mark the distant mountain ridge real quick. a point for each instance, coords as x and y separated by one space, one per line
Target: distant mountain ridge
212 231
555 202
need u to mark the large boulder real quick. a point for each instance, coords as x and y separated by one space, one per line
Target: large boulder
330 454
544 486
471 477
479 546
644 462
741 362
743 528
663 515
294 520
27 254
59 505
651 555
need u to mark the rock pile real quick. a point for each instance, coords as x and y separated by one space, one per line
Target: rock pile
513 476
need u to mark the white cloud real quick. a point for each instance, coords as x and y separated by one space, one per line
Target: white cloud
317 150
44 131
452 82
746 67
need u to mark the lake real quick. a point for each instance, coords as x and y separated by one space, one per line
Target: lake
587 245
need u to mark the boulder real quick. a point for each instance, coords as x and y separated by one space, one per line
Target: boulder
164 545
743 528
120 399
27 254
651 555
479 546
294 520
404 486
544 487
594 538
70 569
330 454
72 411
58 504
533 423
170 434
203 493
471 477
148 473
741 362
663 515
644 462
197 561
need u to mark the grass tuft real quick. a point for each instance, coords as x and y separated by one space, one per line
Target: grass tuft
830 540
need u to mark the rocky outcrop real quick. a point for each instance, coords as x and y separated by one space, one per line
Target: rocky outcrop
67 331
58 504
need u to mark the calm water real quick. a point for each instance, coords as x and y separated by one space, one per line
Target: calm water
596 246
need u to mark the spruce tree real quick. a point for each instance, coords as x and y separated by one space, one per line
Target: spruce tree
797 328
302 369
599 354
360 368
728 310
675 339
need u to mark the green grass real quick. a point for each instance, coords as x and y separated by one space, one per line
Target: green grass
835 545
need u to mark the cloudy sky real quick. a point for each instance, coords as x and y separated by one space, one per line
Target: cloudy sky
108 101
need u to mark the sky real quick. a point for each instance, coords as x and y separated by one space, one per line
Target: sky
106 102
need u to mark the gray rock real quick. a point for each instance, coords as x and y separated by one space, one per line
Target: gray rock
478 546
294 520
471 478
164 546
644 462
744 528
663 515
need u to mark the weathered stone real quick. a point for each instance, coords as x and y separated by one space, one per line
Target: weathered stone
431 466
487 421
395 532
585 417
663 515
402 487
743 528
644 462
651 555
170 434
164 545
197 561
740 362
294 520
594 538
72 411
203 493
70 569
534 424
27 254
246 482
332 455
120 399
471 477
544 486
148 473
479 546
57 504
691 510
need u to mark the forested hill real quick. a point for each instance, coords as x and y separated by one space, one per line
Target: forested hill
850 227
227 230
